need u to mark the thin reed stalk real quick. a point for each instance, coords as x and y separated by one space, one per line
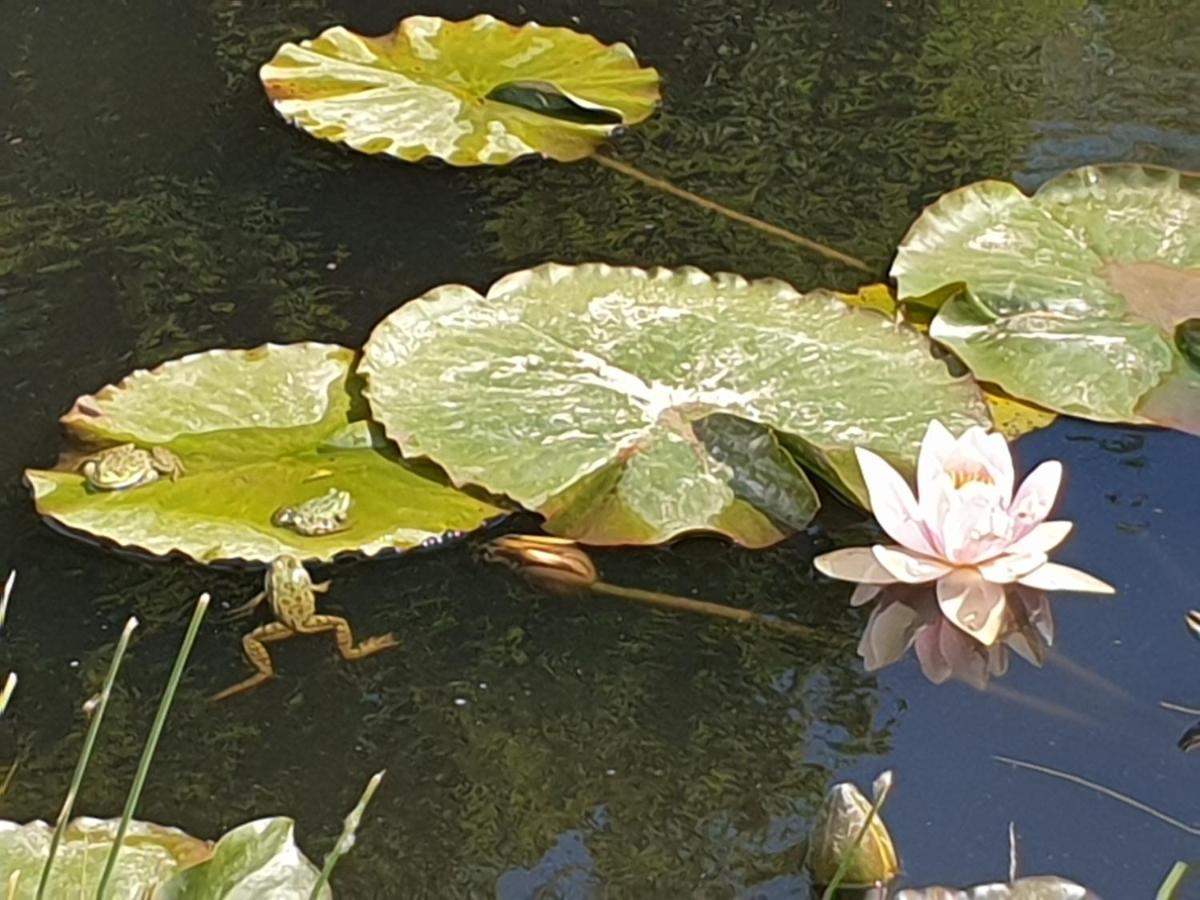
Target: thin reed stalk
139 779
85 754
346 839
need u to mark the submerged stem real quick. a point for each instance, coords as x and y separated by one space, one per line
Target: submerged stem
704 608
160 719
711 205
85 754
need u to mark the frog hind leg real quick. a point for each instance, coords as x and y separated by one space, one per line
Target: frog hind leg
254 646
345 637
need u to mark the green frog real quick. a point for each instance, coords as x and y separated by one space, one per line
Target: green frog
291 593
323 514
128 466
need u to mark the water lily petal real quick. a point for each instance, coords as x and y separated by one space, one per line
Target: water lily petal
893 503
1036 606
1035 498
909 567
1042 538
936 446
889 633
977 526
967 660
864 594
991 450
929 653
972 603
934 484
853 564
1008 567
1055 577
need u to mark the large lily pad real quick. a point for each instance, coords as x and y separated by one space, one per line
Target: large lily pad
1075 298
592 393
476 92
257 859
256 430
150 855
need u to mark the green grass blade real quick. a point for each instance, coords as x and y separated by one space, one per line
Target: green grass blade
1179 872
10 685
85 754
139 779
346 839
8 586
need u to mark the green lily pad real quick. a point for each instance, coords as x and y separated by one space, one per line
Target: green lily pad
588 393
255 430
256 859
1075 297
476 92
1035 887
150 855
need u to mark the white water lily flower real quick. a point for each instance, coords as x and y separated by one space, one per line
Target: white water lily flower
965 530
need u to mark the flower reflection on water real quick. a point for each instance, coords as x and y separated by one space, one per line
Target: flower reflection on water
908 616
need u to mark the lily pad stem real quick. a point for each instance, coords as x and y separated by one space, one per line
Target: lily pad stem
775 230
346 839
85 754
704 608
160 719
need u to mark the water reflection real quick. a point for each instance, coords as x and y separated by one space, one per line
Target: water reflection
908 617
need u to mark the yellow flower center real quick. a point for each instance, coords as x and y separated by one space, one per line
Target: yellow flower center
962 477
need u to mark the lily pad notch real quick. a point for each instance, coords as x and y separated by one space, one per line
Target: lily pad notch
479 92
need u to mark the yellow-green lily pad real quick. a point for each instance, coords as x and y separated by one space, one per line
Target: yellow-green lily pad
1078 298
632 406
255 859
255 430
475 92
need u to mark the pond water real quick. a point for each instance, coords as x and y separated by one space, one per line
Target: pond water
152 204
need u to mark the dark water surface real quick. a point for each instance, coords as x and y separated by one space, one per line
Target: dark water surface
151 204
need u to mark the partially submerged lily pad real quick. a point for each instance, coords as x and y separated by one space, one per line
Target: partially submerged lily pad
257 859
1035 887
592 393
256 430
150 855
476 92
1075 298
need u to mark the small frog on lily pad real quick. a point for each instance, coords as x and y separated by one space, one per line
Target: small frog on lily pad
324 514
128 466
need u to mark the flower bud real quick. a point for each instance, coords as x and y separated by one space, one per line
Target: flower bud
554 563
841 818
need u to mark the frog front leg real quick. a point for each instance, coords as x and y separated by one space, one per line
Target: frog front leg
345 637
254 646
245 609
